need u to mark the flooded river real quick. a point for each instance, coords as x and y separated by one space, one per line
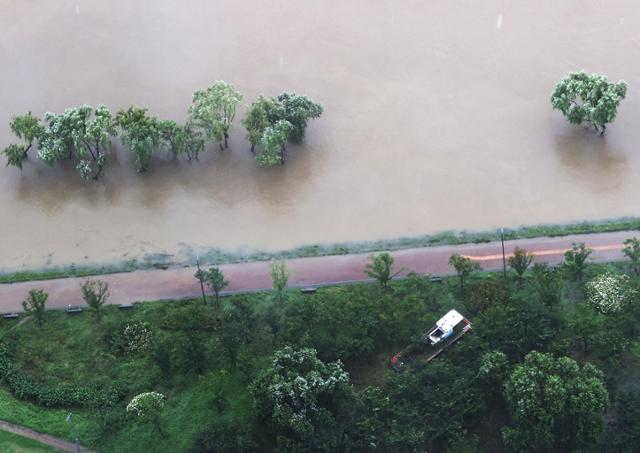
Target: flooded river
437 117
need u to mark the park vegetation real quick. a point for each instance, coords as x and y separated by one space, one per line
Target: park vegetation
552 365
83 135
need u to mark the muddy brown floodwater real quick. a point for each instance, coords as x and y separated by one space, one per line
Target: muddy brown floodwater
437 117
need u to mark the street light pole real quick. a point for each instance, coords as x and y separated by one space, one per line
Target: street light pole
74 431
504 257
204 298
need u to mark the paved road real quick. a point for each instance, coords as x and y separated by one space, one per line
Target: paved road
176 283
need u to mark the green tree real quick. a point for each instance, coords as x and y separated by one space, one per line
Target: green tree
299 393
273 143
380 268
554 402
298 110
588 98
261 114
182 139
493 372
141 133
214 279
625 435
26 127
464 267
520 261
95 294
575 260
279 279
15 154
34 304
486 293
214 109
78 131
632 251
547 284
270 122
148 406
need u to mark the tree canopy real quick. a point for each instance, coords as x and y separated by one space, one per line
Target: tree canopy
271 122
141 133
214 109
591 98
554 402
80 131
299 393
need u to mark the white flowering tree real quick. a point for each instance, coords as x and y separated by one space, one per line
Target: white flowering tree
553 402
138 337
608 292
147 406
299 393
80 131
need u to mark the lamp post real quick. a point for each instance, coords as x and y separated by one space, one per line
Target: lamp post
504 257
74 432
204 298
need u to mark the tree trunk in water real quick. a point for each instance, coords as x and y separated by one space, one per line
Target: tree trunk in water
226 140
253 148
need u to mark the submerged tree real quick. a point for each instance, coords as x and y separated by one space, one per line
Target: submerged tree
26 127
34 304
262 113
80 131
270 122
182 139
141 133
298 110
214 109
273 144
588 98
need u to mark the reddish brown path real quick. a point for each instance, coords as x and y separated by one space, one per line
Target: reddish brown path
55 442
176 283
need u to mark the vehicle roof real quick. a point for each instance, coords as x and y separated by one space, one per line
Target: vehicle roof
450 320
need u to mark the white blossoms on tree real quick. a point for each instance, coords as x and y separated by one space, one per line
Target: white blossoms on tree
146 404
138 336
608 292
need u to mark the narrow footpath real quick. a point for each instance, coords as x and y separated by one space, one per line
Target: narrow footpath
178 283
42 438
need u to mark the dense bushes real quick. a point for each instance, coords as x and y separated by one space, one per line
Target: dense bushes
25 387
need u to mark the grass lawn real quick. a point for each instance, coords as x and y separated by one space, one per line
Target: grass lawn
12 443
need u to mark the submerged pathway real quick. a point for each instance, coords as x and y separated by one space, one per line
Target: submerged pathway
176 283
